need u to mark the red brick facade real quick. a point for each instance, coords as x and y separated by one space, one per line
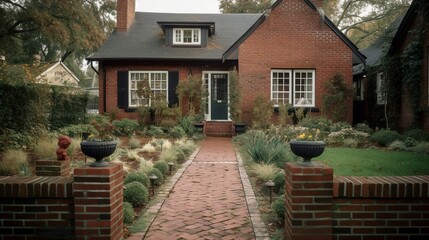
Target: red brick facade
292 37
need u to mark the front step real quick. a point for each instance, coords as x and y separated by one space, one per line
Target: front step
219 129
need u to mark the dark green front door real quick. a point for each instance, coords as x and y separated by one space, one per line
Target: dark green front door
219 96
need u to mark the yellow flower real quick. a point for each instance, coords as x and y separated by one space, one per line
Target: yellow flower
301 136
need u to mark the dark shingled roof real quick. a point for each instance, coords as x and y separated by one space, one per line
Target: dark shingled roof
144 39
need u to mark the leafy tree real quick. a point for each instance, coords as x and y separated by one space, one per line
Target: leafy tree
244 6
53 28
363 21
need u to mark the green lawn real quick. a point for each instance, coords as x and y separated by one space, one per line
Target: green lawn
372 162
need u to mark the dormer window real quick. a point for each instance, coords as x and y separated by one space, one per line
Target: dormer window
187 36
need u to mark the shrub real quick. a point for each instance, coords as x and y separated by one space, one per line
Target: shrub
134 143
262 112
350 142
266 149
321 123
77 130
168 156
340 137
385 137
177 132
162 166
362 127
148 148
410 142
417 134
75 144
265 172
180 155
279 181
186 123
13 162
145 165
397 145
154 131
422 147
128 213
188 147
338 126
140 177
136 194
279 207
46 148
125 127
158 174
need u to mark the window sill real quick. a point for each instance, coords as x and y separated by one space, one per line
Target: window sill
293 109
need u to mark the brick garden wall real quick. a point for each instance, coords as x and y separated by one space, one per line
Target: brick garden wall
85 206
321 206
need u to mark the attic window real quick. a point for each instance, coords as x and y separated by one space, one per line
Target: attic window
187 36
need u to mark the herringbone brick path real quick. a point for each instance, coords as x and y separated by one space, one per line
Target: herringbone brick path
208 201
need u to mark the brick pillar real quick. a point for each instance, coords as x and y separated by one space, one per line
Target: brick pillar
52 168
308 203
98 198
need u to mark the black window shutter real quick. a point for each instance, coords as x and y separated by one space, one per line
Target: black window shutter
122 89
173 80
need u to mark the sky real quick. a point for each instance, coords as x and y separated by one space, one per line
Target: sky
178 6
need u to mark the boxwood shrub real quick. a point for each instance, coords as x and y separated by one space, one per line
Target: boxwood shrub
135 193
140 177
385 137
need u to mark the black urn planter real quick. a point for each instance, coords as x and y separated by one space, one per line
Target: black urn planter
99 150
199 127
239 128
307 150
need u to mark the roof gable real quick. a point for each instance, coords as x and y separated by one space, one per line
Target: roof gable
358 57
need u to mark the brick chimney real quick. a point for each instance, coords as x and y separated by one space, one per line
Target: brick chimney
125 14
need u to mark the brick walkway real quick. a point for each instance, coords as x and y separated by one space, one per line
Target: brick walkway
209 201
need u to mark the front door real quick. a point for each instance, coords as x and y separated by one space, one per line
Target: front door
219 96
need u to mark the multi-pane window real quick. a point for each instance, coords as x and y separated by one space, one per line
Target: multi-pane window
293 86
381 93
144 83
187 36
281 86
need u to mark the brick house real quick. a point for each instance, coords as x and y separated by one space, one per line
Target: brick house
370 90
285 55
415 25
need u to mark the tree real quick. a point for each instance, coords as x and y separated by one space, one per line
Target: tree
244 6
363 21
53 28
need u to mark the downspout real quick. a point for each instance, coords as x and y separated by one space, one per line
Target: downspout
104 87
93 68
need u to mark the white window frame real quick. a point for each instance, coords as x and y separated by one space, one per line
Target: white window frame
154 83
381 95
292 88
179 40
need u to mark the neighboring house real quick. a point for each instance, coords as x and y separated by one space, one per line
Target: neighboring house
414 26
285 55
371 92
53 73
368 79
